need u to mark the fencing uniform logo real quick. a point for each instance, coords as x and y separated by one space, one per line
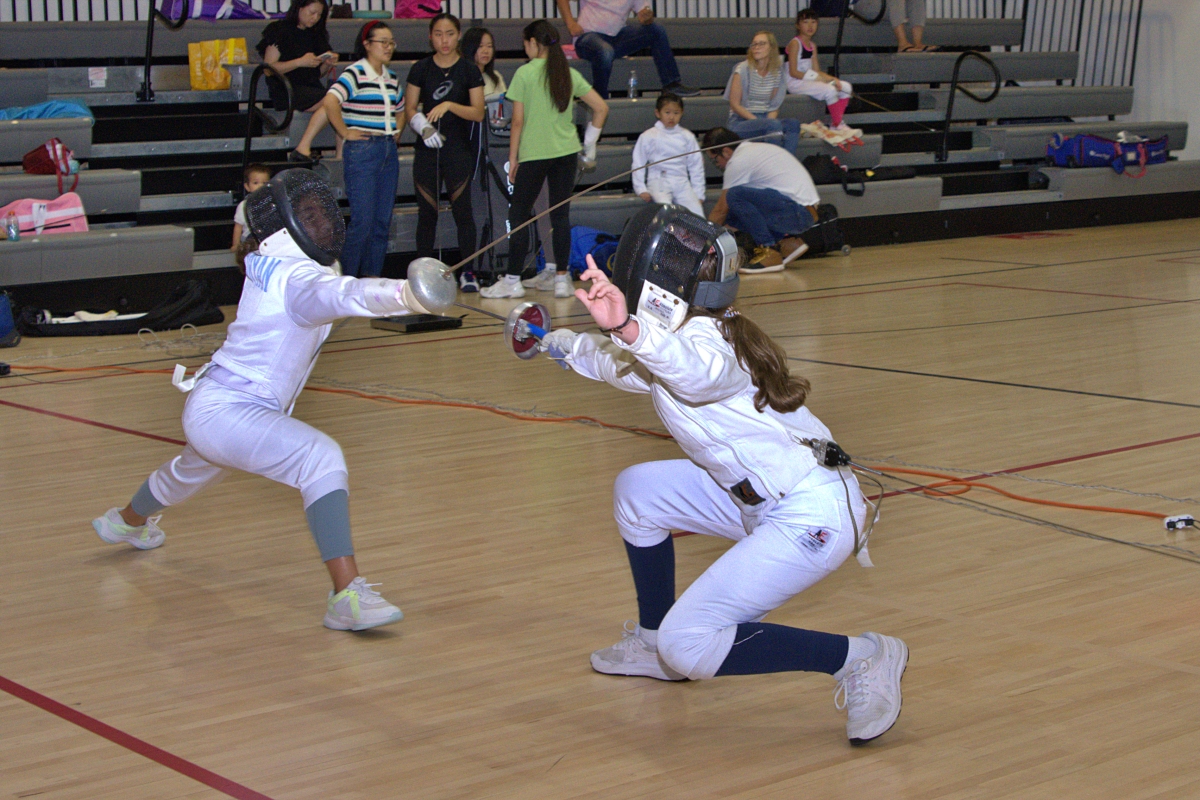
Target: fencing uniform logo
815 539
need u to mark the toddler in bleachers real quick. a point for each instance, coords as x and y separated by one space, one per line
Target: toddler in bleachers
805 76
255 177
680 180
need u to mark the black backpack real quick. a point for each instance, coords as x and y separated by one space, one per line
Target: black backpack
824 170
190 304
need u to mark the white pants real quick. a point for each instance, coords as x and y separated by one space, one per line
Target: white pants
227 429
910 11
820 90
675 189
792 546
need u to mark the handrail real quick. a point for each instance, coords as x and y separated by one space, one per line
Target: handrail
252 109
944 153
847 11
146 93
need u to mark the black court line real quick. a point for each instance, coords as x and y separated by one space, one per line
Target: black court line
995 383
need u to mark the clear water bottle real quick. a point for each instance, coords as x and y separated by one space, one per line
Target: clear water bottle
633 84
12 228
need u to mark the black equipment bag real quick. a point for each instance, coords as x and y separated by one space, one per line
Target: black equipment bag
884 174
824 169
190 304
825 236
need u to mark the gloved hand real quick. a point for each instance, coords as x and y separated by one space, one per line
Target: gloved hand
557 344
410 300
590 137
427 132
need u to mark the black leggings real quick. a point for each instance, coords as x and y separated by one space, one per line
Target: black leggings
453 165
560 172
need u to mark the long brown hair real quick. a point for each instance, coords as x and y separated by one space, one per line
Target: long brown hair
558 71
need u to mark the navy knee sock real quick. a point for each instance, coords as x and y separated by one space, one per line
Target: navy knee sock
761 647
654 578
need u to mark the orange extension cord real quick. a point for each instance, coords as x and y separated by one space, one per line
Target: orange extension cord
957 485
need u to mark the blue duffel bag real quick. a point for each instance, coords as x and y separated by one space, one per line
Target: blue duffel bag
1089 150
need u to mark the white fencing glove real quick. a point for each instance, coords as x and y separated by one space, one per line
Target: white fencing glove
427 132
410 300
590 137
557 344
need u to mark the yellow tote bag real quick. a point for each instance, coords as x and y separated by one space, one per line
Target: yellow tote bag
205 60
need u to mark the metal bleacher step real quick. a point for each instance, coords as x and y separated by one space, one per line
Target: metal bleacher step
998 199
965 156
187 146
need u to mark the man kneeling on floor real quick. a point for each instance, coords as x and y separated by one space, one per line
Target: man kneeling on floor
767 193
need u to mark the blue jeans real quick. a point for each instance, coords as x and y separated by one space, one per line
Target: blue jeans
789 129
602 50
371 168
766 214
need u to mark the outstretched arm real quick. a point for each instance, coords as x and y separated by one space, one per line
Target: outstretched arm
314 297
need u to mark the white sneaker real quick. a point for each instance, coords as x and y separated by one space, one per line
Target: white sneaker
633 655
112 529
869 689
544 280
563 285
358 607
506 287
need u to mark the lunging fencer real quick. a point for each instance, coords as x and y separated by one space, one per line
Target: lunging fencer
238 412
723 390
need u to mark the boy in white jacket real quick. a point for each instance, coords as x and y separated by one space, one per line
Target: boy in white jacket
680 180
238 415
723 390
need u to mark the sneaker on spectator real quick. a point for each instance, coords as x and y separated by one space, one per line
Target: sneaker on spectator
467 283
765 259
677 88
507 287
792 247
544 280
564 286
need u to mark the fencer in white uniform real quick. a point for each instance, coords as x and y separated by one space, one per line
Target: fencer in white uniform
679 180
747 476
238 412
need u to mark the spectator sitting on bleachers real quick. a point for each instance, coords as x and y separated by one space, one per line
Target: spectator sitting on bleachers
769 196
805 76
478 46
679 180
298 46
604 32
254 177
755 92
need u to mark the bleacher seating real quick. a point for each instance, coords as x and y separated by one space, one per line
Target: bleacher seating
173 166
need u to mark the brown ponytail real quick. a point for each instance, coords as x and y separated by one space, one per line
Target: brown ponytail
558 71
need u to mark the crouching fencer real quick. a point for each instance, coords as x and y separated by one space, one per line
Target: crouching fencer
238 412
722 388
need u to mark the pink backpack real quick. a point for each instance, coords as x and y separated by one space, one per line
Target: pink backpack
417 9
36 217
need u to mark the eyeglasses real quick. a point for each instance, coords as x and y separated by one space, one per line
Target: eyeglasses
388 44
760 44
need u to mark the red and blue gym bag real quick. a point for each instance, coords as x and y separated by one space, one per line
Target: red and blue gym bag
1089 150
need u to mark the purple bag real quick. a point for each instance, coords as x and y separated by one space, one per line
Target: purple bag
216 9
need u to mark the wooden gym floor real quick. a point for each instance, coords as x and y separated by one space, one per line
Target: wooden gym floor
1044 664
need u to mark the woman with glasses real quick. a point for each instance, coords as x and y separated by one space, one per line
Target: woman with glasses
298 46
366 109
443 97
755 92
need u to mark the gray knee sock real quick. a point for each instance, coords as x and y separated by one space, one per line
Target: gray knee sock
329 521
144 503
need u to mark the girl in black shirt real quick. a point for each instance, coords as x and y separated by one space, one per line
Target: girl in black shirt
298 46
448 90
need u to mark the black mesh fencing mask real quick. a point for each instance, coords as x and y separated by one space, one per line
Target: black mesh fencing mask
670 259
300 201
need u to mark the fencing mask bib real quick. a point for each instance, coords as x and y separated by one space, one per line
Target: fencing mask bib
670 259
300 202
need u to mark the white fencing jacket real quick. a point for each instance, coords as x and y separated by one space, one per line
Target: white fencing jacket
288 307
705 397
662 142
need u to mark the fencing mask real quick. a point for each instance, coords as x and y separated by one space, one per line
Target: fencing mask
302 203
670 259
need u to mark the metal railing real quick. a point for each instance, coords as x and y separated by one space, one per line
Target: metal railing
944 152
848 11
146 92
253 111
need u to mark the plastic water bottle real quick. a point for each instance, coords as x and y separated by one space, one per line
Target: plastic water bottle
12 228
633 85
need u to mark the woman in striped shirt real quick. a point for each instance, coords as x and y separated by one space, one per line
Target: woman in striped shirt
366 109
755 92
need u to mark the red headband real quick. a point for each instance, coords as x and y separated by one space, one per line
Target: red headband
366 31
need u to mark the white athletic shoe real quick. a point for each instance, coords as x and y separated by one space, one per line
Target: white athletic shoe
544 280
564 286
869 689
112 529
358 607
633 655
506 287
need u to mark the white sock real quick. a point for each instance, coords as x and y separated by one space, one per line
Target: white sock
648 636
512 278
860 648
550 265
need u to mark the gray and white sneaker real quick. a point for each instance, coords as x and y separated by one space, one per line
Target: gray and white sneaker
509 286
633 655
113 529
359 607
563 286
544 280
869 689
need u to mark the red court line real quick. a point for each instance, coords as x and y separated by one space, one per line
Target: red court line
142 748
1067 291
93 423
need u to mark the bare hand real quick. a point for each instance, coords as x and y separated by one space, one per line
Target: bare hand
575 28
437 112
512 171
603 300
310 60
645 16
646 196
356 135
837 84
